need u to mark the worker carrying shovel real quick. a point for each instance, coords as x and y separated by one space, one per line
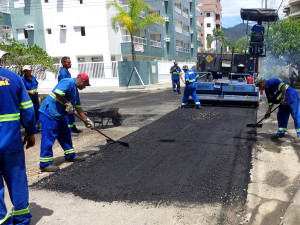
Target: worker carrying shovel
278 92
53 111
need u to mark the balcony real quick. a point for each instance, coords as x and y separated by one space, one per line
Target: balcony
178 30
155 44
198 24
185 15
176 9
186 33
136 40
179 49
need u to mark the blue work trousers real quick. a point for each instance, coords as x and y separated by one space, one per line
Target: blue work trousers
190 91
36 106
13 171
71 121
176 85
51 130
284 113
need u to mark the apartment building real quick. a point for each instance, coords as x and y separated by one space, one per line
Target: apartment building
211 13
82 29
292 9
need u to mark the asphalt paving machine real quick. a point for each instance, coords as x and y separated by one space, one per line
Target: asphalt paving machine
230 77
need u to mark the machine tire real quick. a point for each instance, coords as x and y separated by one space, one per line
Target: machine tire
118 120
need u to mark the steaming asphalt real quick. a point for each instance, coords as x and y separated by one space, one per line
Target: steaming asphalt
187 156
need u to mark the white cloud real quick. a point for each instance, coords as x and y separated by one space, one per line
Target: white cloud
232 8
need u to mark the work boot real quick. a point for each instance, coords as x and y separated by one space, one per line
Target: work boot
297 139
277 136
75 130
198 106
179 92
51 168
75 160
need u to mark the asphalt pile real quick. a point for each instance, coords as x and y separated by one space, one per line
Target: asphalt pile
188 155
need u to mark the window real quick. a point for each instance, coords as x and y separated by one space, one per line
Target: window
46 1
82 29
22 34
208 25
208 35
81 1
207 14
19 3
49 31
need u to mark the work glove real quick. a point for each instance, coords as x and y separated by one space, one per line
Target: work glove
267 115
69 108
282 101
89 123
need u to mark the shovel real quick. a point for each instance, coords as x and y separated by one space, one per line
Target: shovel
258 124
125 144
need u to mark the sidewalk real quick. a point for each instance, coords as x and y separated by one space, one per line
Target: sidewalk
91 89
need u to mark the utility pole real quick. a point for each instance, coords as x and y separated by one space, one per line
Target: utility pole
266 4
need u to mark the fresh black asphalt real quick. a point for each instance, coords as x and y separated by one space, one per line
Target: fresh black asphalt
186 156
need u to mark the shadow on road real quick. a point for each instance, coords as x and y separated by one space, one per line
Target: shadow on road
38 213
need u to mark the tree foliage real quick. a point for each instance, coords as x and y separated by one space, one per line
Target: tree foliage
218 34
21 54
131 18
239 46
284 41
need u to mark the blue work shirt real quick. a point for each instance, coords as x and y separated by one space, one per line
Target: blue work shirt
190 78
16 109
31 85
63 73
273 92
67 88
175 74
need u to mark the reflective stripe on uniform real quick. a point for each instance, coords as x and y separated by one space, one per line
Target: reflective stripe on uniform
21 212
25 105
297 130
270 103
54 96
280 85
4 219
72 125
78 106
48 159
281 129
183 103
59 92
279 96
197 103
9 117
70 151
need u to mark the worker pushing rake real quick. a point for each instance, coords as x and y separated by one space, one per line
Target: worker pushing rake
278 92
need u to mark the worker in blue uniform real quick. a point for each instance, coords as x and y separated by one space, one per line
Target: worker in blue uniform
31 84
190 88
257 38
16 109
278 92
176 73
60 102
64 73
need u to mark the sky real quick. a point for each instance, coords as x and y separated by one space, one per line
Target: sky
231 9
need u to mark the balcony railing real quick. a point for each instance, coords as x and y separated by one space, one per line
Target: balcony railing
176 9
136 40
178 30
198 24
185 15
186 33
155 44
179 49
186 50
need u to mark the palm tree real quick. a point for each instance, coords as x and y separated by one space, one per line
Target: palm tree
131 20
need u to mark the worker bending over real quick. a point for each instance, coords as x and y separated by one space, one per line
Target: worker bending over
278 92
190 88
53 112
16 109
31 84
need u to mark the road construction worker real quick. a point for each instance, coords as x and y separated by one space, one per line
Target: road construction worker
278 92
31 84
257 38
176 73
64 73
16 109
190 88
53 111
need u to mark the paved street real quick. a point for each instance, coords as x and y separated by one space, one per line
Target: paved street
184 166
